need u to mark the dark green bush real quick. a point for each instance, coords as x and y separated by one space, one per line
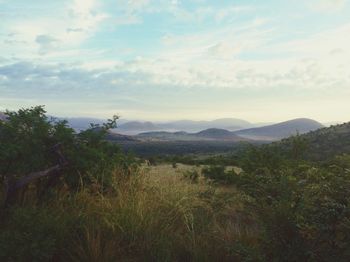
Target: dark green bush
192 175
31 234
218 174
28 136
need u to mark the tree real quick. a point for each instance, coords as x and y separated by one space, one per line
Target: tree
29 143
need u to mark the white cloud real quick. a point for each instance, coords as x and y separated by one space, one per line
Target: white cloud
327 5
137 4
70 26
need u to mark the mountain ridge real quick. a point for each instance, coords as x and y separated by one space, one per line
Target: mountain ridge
134 127
267 133
281 130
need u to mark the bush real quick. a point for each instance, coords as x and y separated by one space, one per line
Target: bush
28 136
31 234
192 175
219 174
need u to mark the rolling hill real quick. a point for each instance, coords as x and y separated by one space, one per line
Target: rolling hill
82 123
218 134
324 143
211 134
190 126
196 126
266 133
280 130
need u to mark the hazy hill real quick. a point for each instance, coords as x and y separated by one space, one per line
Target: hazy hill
219 134
266 133
205 135
135 127
280 130
196 126
2 116
82 123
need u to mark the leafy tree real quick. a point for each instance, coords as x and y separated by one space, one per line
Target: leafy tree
28 137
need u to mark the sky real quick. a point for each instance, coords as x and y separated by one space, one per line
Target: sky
263 61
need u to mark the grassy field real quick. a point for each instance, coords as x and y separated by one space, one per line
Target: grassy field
157 215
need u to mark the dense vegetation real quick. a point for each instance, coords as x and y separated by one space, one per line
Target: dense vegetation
178 148
325 143
282 205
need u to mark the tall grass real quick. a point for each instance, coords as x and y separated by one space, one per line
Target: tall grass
152 216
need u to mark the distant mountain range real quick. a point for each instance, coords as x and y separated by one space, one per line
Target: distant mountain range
266 133
188 129
231 124
226 129
280 130
82 123
212 134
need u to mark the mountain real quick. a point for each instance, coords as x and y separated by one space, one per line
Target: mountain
212 134
219 134
135 127
2 116
82 123
280 130
196 126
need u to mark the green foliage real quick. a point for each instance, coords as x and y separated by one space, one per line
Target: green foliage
218 174
252 158
192 175
320 145
28 136
25 141
304 211
29 234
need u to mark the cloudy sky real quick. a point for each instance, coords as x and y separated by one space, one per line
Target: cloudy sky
177 59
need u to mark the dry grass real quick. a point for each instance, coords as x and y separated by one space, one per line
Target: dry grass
160 216
155 216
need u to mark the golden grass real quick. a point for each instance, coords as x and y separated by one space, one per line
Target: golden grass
156 215
159 215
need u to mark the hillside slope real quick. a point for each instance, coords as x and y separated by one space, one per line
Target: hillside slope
325 143
82 123
219 134
281 130
211 134
196 126
190 126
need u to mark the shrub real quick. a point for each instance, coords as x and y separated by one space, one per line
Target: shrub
32 234
219 174
192 175
28 136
